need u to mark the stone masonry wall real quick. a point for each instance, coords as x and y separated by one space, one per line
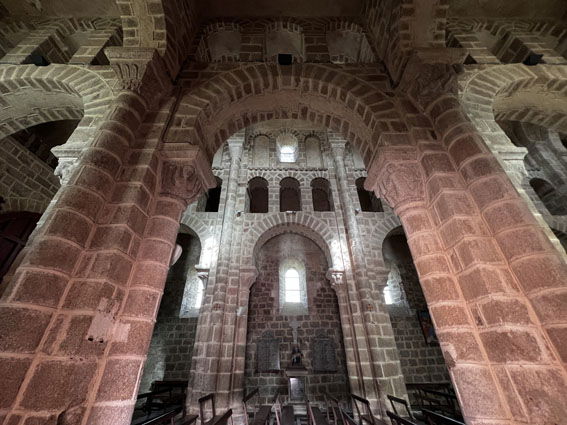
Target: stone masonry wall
171 347
420 361
323 319
24 178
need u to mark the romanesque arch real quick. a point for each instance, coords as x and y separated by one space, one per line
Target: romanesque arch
300 223
34 95
321 94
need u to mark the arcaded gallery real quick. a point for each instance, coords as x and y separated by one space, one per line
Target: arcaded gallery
283 212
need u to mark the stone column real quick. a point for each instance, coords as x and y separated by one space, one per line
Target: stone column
211 366
491 280
373 330
77 317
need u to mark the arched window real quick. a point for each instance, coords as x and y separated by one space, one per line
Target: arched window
293 286
292 289
368 201
321 194
287 147
549 196
290 195
213 197
261 151
258 195
313 152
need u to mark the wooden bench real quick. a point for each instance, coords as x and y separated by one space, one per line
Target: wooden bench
262 414
221 419
366 414
398 420
433 418
315 416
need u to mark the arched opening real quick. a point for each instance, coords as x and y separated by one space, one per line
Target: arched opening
549 196
27 164
422 361
322 195
290 195
15 229
258 195
368 201
173 338
211 200
293 306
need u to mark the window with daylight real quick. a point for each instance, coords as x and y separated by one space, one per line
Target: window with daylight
292 290
287 154
287 147
293 287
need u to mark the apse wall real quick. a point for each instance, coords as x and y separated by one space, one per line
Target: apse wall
322 321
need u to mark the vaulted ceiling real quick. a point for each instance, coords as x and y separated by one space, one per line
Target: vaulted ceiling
300 8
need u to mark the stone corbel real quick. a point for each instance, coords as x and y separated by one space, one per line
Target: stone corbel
395 173
185 172
140 70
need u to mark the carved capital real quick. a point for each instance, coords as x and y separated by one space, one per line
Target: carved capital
203 274
336 277
396 176
235 148
140 70
186 173
65 168
248 276
430 74
338 147
68 160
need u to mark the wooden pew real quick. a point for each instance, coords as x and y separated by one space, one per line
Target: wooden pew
285 415
366 415
433 418
315 416
333 410
163 405
398 420
400 401
221 419
263 413
440 401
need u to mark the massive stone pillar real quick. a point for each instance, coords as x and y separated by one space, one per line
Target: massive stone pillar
493 283
72 345
375 347
212 363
